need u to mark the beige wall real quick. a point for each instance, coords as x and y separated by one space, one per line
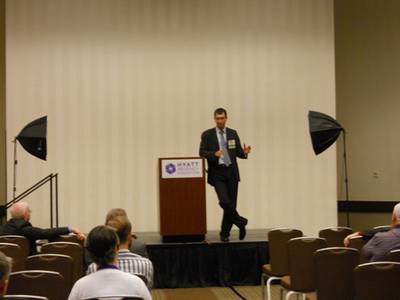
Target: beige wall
126 82
367 85
3 165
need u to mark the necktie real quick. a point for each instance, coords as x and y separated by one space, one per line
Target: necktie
226 159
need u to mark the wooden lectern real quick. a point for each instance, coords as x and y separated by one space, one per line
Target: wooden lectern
182 199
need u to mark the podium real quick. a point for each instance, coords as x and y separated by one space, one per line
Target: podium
182 192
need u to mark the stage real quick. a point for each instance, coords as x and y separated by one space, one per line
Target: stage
208 263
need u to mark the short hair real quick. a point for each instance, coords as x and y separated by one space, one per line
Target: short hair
101 243
19 209
115 212
396 211
220 111
5 267
122 226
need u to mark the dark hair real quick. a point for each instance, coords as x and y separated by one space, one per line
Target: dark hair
220 111
122 226
101 243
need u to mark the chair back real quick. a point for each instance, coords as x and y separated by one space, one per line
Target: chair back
71 238
334 272
301 262
278 252
17 254
394 255
377 281
73 250
334 236
38 283
23 297
62 264
383 227
358 243
22 241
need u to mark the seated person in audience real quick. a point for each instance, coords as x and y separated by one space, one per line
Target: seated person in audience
108 281
383 242
5 268
127 261
136 246
19 225
366 234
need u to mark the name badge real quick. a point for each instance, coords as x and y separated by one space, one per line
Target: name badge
231 144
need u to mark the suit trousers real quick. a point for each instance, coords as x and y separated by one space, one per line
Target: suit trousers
226 186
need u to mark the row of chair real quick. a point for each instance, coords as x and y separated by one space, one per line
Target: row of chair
305 265
51 273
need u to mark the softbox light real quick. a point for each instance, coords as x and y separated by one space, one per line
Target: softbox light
324 131
33 137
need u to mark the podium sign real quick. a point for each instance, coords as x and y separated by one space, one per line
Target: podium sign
182 168
182 199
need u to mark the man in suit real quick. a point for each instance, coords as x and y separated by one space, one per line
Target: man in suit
383 242
221 146
19 225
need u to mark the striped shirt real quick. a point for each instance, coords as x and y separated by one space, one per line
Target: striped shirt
131 263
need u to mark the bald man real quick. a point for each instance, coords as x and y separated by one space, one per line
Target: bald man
384 242
19 224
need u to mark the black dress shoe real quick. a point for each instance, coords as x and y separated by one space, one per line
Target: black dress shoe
242 229
224 239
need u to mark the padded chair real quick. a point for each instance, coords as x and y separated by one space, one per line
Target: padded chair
383 227
22 241
358 243
71 238
377 281
334 272
38 283
17 254
334 236
394 255
278 257
73 250
62 264
113 297
23 297
301 279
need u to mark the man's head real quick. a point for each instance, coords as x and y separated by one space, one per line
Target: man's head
5 268
396 215
123 228
115 212
102 244
20 210
220 117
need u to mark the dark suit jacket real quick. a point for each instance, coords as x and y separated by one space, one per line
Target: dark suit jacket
209 145
24 228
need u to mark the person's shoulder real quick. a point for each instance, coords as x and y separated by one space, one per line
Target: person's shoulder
18 223
208 132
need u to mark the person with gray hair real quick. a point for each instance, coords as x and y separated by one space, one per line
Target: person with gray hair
5 268
19 224
384 242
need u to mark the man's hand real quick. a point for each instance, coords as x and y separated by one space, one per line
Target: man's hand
79 234
246 149
219 153
346 240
